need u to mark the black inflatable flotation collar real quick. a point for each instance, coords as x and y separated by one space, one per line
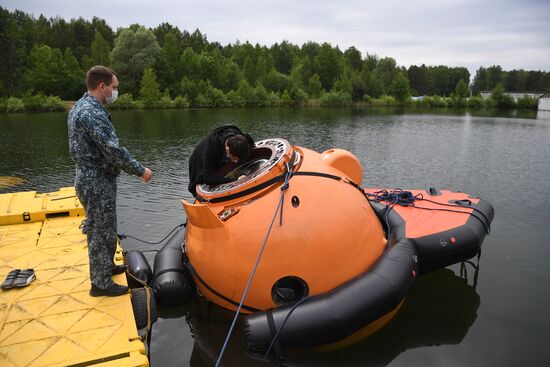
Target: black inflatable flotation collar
330 317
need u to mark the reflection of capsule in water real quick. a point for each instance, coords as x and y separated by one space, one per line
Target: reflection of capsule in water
439 310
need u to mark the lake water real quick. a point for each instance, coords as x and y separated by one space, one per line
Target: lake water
497 315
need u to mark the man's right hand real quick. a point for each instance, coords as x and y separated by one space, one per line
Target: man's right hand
147 175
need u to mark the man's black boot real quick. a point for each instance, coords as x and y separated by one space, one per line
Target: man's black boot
119 269
112 291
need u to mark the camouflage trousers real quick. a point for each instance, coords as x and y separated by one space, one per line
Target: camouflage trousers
97 194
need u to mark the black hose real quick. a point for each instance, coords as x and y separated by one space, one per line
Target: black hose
122 236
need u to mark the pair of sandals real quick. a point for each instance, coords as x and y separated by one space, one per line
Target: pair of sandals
18 278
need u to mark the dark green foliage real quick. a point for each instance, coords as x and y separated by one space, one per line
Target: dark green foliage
234 99
285 100
249 96
400 87
385 71
298 96
165 102
17 32
526 102
500 99
374 87
52 103
14 104
38 102
211 97
230 75
343 84
181 102
276 82
456 101
461 90
335 99
283 56
135 49
353 58
314 86
191 89
43 73
72 82
149 92
435 80
125 102
196 40
168 67
22 34
475 102
433 102
458 98
420 80
100 53
486 79
329 60
51 56
383 101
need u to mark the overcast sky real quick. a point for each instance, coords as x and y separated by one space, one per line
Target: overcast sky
469 33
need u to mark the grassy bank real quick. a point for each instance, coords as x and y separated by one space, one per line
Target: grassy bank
33 103
42 103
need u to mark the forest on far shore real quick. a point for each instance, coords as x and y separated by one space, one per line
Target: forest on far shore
44 61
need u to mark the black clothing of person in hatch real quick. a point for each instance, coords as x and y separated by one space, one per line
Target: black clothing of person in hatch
221 145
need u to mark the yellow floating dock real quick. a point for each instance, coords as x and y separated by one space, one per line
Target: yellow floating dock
53 321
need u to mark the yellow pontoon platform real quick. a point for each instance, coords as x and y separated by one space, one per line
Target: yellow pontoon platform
53 321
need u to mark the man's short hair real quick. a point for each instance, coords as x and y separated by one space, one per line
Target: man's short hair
239 147
99 74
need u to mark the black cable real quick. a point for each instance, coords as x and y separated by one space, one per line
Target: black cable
396 196
391 198
282 325
483 223
122 236
487 221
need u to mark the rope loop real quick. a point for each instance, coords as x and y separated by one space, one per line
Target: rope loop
396 196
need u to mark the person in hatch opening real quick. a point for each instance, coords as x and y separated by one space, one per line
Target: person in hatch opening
218 147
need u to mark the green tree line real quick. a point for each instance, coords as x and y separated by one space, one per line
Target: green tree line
167 67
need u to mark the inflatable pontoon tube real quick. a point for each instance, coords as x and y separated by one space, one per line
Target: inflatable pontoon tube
436 251
171 281
333 316
138 268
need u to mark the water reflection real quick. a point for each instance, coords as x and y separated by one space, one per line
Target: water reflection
543 115
439 310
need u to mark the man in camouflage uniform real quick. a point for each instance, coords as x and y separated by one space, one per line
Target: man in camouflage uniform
99 158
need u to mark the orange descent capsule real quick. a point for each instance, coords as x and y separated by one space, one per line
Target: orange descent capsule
329 232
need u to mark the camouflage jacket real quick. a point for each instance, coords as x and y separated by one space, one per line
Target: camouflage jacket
93 142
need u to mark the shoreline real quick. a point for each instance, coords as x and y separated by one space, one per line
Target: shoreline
65 106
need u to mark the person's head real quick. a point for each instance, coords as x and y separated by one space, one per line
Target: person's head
237 148
102 83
